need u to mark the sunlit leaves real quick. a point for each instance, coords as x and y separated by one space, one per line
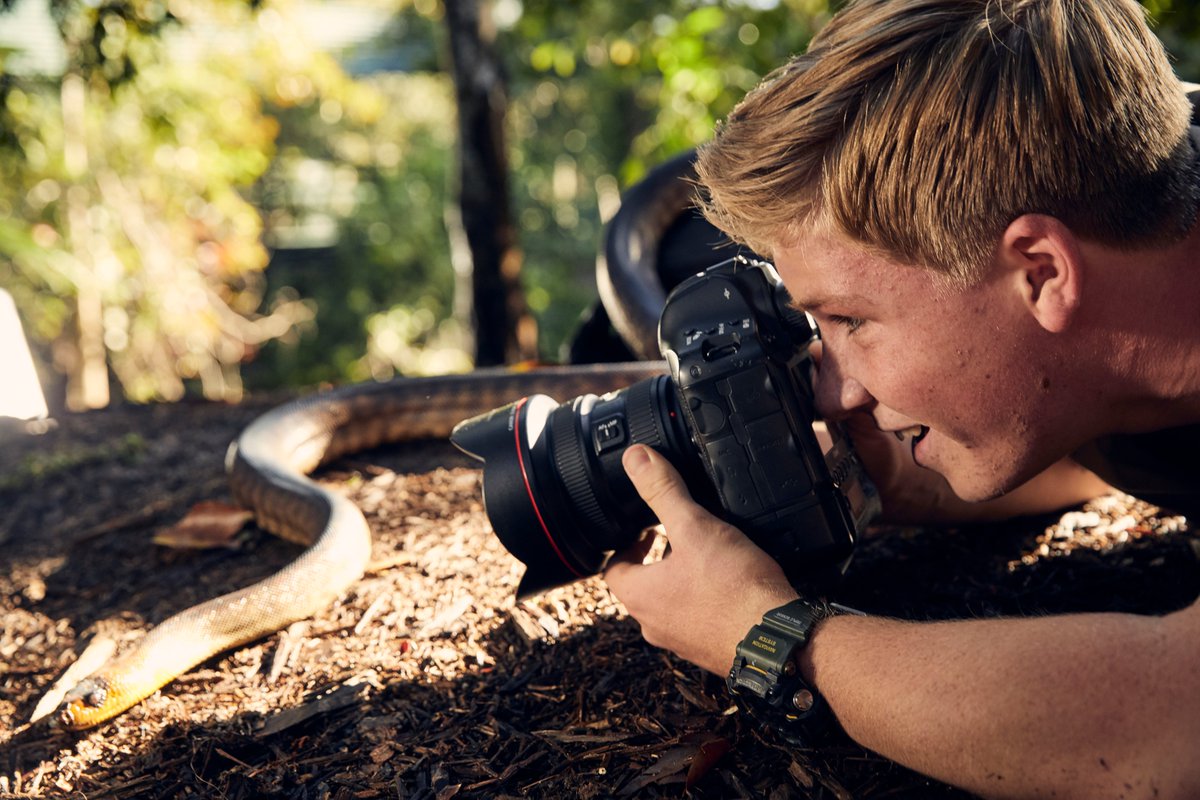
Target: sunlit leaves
386 180
619 88
1177 23
137 250
161 191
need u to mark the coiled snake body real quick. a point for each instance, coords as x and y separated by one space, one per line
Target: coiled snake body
269 462
267 467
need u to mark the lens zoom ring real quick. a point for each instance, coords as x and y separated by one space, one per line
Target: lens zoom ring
570 462
644 424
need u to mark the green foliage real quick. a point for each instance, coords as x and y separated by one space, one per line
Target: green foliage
128 241
111 39
1177 23
598 93
384 290
195 142
601 92
134 241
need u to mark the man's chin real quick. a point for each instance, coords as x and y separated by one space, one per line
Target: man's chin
971 489
975 476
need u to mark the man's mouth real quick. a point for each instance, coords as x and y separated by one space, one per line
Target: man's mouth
916 432
913 434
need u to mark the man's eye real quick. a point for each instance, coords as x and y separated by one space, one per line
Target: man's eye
851 324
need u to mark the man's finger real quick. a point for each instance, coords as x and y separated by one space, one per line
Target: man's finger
663 489
636 552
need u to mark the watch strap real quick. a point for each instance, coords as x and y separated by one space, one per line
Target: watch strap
766 675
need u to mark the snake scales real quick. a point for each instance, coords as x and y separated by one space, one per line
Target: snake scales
267 467
269 462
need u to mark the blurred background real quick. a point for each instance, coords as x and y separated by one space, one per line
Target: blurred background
208 197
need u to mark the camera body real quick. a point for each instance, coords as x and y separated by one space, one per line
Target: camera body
735 417
739 355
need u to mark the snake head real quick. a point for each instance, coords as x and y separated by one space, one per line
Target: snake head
80 706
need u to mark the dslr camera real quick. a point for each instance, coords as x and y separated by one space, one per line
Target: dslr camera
734 416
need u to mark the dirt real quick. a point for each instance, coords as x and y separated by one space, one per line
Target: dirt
427 680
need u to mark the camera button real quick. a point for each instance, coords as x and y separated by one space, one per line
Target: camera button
609 434
721 345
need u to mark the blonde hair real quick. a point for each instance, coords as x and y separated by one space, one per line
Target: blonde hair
921 128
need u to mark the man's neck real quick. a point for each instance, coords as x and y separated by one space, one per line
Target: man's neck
1143 320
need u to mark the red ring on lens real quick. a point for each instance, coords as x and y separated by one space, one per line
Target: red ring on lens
529 490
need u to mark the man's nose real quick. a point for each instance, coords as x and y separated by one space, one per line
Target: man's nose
836 393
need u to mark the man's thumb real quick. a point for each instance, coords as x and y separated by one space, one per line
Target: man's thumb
659 484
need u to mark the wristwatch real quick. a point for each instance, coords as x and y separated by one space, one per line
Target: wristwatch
766 676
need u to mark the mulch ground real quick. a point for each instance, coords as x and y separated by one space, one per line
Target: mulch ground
426 680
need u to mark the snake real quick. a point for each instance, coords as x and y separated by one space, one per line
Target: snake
268 466
269 463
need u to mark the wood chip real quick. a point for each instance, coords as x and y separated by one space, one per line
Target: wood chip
287 649
526 625
352 691
457 712
449 617
372 611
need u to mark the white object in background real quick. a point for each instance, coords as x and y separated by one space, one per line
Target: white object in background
20 392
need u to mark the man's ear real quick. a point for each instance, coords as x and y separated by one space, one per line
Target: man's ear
1042 258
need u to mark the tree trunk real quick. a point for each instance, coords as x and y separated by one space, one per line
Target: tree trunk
87 380
504 331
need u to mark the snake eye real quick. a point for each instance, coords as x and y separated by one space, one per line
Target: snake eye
95 696
90 693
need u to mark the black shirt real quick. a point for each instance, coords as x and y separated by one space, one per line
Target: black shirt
1162 467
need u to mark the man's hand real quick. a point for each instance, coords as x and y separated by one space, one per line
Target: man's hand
715 584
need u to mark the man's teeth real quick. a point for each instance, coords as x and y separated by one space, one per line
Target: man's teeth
911 432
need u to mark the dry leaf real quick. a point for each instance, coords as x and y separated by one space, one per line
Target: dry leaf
688 762
209 524
707 755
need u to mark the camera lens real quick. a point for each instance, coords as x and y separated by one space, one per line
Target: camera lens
553 483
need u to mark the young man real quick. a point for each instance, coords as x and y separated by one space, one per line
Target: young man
990 208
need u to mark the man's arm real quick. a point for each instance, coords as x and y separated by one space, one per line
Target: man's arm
1081 706
1090 706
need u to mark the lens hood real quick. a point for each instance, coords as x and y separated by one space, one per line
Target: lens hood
504 440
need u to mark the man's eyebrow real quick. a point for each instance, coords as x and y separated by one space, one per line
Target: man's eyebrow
805 303
816 302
